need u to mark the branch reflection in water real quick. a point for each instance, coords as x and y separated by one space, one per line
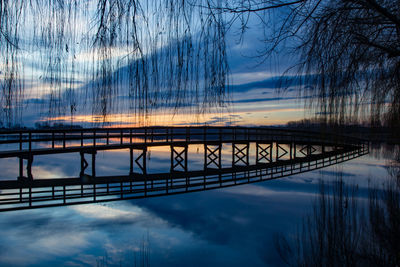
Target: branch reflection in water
346 228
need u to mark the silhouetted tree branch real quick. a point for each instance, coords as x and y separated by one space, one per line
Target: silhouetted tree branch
174 53
350 52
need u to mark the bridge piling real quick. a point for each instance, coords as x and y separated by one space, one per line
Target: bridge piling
84 165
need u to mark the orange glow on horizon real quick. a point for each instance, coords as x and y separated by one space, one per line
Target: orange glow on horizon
241 117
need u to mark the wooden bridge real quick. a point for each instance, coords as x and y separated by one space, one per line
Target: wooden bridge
277 153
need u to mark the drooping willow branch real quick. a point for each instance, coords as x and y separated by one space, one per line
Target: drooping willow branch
107 56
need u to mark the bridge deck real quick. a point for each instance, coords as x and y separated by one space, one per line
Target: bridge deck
139 177
102 147
278 153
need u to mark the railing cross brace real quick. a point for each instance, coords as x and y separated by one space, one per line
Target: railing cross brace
307 150
278 148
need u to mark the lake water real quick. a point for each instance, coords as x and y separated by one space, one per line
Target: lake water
233 226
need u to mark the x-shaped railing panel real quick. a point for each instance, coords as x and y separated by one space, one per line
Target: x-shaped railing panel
264 153
178 159
240 155
213 156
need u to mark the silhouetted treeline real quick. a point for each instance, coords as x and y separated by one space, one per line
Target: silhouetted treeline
381 133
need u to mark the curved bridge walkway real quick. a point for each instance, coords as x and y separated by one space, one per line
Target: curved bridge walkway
278 153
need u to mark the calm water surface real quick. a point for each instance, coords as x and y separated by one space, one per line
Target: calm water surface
226 227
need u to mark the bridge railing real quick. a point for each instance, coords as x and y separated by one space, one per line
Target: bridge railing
28 140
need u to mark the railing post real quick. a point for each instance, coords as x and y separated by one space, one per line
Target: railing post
294 149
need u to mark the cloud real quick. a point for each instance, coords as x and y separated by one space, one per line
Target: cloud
107 213
268 99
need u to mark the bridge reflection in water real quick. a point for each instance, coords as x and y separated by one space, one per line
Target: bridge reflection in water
278 153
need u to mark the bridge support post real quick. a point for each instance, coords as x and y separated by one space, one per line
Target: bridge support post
240 154
85 164
140 160
294 150
29 159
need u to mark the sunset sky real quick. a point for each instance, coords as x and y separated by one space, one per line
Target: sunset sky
253 82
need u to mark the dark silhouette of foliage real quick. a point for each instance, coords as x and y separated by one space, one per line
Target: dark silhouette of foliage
349 52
